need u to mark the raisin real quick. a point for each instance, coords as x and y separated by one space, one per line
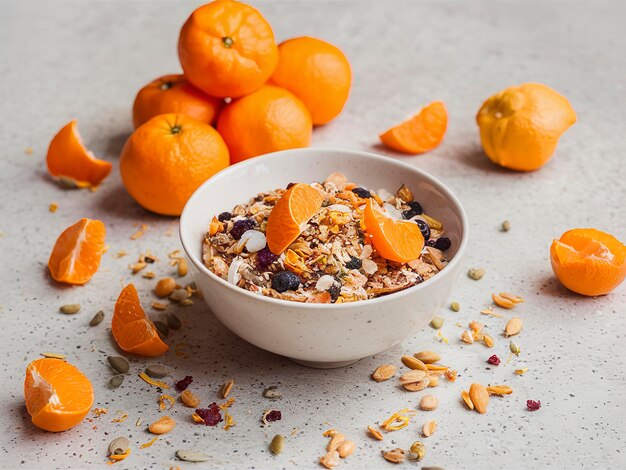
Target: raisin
354 263
284 281
409 213
443 243
362 192
242 226
264 258
224 216
424 228
416 207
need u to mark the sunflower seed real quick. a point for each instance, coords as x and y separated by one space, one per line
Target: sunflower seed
476 273
70 309
157 371
118 446
277 444
272 392
173 321
192 456
97 319
162 328
119 364
116 381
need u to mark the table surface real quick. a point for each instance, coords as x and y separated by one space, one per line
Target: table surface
86 60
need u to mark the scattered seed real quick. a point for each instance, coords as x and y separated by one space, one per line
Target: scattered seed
476 273
51 355
515 349
521 371
157 371
414 380
413 363
53 207
428 357
330 459
277 444
479 396
418 449
162 328
119 364
165 287
467 399
189 399
502 302
513 327
466 337
455 306
375 433
516 299
173 321
429 428
394 456
429 403
119 445
186 303
272 392
70 309
182 267
158 305
451 375
346 448
436 322
116 381
499 390
192 456
148 275
97 319
488 340
135 268
506 226
384 372
164 400
162 425
149 443
180 294
489 311
226 388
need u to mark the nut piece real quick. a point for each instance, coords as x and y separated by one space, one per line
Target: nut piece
375 433
226 388
476 273
516 299
165 287
413 363
434 380
346 448
189 399
414 380
429 403
513 327
394 456
335 442
479 396
162 425
467 399
404 193
429 428
277 444
428 357
330 460
384 372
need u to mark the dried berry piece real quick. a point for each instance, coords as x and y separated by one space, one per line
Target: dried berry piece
354 263
408 214
533 405
424 228
335 290
362 192
183 383
242 226
283 281
264 258
442 243
271 415
416 207
494 360
224 216
210 415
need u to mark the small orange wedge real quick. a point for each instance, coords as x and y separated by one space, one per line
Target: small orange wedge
290 216
395 240
421 133
132 329
58 395
69 159
76 255
588 261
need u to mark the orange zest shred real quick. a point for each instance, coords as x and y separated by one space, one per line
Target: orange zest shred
197 419
398 420
139 233
154 383
100 411
118 457
166 398
229 422
227 404
443 338
120 419
149 443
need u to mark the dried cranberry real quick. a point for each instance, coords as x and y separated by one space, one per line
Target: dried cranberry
494 360
210 415
242 226
362 192
224 216
354 263
283 281
264 258
533 405
182 385
416 207
424 228
273 415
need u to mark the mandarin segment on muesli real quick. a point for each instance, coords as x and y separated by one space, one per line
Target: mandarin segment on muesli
335 257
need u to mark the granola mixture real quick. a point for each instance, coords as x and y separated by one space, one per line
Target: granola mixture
332 260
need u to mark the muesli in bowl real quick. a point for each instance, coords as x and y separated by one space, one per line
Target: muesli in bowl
328 242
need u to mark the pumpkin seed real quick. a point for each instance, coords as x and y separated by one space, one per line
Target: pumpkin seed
413 363
157 371
513 327
436 322
272 392
119 364
506 226
277 444
428 357
116 381
162 328
455 306
476 273
97 319
192 456
70 309
173 321
118 446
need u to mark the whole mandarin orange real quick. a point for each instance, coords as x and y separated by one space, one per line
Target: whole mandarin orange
227 49
165 160
174 94
520 126
268 120
316 72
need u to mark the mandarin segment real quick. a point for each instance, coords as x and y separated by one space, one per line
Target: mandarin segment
58 395
588 261
76 255
131 328
69 159
421 133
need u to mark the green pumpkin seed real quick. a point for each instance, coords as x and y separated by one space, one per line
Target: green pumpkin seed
70 309
157 371
97 319
119 364
436 322
455 306
192 456
173 321
272 392
277 444
118 446
162 328
515 349
116 381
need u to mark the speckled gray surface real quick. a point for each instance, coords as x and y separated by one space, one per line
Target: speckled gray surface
87 59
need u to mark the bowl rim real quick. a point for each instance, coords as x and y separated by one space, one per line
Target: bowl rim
439 277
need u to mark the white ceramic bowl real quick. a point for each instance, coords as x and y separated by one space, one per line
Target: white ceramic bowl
321 335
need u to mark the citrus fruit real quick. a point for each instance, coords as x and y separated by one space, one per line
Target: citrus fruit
268 120
421 133
520 126
174 94
290 215
76 255
227 49
69 159
132 329
167 158
588 261
395 240
58 395
317 72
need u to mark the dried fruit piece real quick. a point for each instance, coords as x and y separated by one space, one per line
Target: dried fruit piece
413 363
398 420
429 428
428 357
384 372
375 433
429 403
394 456
210 416
451 375
521 371
533 405
494 360
271 415
466 337
479 396
513 327
154 383
164 400
182 384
